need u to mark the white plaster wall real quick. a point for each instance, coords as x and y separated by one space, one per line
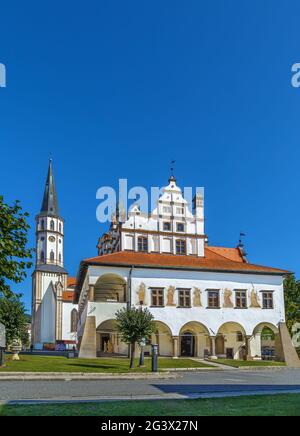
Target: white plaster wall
212 319
67 308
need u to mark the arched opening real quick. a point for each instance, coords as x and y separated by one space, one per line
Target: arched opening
110 288
265 342
74 320
163 338
51 225
231 342
194 340
42 256
51 256
42 225
108 340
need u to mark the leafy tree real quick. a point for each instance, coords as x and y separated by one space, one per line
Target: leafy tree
13 316
14 254
292 301
134 325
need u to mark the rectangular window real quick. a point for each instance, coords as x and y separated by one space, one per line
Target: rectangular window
157 297
180 246
142 243
179 210
167 226
239 337
184 298
180 227
214 299
167 209
241 299
267 298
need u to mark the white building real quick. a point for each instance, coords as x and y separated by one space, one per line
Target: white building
206 301
54 316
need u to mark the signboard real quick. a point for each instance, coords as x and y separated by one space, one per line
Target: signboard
2 336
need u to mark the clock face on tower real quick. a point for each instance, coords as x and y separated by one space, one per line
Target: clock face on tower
51 239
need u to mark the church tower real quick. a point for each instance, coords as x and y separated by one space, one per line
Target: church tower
49 279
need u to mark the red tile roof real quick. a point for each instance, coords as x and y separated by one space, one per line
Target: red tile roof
215 259
71 281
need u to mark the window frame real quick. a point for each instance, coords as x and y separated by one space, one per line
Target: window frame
183 227
157 297
187 302
180 251
241 298
169 225
212 300
141 243
267 297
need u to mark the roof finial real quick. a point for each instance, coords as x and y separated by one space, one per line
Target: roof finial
172 177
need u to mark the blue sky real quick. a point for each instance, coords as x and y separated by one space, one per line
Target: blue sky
117 89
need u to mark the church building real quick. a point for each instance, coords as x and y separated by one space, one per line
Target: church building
54 316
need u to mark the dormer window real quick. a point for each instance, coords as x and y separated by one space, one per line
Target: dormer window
167 226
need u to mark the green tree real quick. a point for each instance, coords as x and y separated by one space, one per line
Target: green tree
292 301
14 254
134 325
13 316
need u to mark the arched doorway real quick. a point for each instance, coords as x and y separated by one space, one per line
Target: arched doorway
108 340
266 344
187 344
163 338
110 288
231 341
194 340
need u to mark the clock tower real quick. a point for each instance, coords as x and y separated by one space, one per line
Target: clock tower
49 278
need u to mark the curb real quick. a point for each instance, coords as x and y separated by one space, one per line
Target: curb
23 376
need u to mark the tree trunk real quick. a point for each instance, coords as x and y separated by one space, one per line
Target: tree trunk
132 355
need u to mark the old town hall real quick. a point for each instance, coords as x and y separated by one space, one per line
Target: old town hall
206 301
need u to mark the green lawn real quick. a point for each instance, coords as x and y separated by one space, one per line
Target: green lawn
62 364
245 363
269 405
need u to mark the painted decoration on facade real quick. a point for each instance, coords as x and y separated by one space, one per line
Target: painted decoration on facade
228 304
142 294
197 297
254 300
170 296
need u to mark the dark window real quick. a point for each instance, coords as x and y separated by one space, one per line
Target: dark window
51 225
157 297
184 297
42 225
167 226
59 257
268 300
60 228
240 337
142 243
214 299
52 256
74 320
42 256
180 227
241 299
180 246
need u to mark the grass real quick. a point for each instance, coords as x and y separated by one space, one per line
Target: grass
248 363
29 363
268 405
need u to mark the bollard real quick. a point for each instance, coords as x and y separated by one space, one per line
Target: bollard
154 357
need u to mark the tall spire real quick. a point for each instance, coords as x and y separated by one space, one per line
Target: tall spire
50 204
